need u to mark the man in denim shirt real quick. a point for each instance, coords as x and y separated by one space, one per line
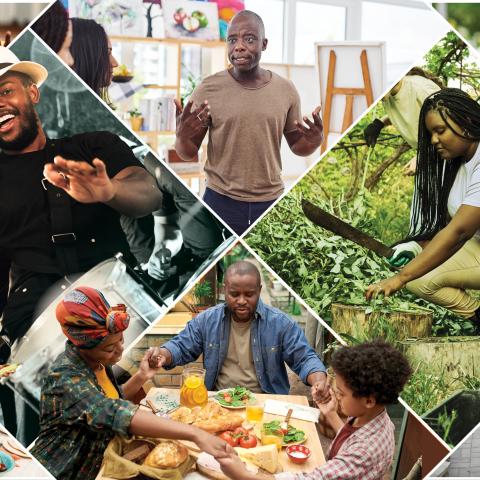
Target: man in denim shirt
245 342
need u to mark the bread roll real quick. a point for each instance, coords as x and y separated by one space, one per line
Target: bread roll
166 454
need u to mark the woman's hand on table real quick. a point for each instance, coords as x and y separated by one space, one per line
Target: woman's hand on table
233 467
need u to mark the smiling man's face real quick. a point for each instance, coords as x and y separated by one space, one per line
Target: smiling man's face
18 118
245 41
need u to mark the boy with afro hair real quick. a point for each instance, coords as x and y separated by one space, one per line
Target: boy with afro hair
369 376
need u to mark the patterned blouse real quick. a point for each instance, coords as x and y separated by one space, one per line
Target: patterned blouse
77 420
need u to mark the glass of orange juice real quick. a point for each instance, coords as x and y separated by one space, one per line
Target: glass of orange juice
193 392
254 411
272 438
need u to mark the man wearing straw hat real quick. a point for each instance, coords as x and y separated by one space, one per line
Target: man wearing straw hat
60 202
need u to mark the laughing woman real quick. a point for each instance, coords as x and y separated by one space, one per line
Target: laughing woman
446 245
82 407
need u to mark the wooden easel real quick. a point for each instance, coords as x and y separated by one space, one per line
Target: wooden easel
349 93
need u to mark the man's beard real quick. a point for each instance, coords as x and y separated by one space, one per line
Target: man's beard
29 131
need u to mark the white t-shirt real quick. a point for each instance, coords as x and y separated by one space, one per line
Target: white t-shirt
403 109
466 187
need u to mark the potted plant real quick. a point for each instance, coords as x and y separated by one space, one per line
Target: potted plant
136 119
202 293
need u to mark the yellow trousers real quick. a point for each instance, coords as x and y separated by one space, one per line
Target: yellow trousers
446 285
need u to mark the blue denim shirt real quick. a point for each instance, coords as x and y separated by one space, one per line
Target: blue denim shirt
275 340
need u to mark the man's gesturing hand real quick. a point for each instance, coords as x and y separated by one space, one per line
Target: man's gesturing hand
314 132
86 183
190 123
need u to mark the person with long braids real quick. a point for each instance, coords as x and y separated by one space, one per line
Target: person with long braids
446 211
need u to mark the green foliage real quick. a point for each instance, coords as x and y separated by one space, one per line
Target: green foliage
367 188
445 422
201 290
135 113
444 58
324 268
465 17
426 389
451 60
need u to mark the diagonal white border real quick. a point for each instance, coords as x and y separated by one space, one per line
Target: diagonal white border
48 4
337 337
452 451
344 134
128 127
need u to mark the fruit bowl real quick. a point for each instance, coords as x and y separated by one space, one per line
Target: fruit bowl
122 78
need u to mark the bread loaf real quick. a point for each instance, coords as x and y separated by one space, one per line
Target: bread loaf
166 454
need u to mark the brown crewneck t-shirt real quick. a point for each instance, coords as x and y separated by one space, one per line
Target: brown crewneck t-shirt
243 156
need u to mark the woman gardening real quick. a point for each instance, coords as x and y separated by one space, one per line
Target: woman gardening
445 242
82 406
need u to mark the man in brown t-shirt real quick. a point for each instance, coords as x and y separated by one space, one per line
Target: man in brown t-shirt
246 110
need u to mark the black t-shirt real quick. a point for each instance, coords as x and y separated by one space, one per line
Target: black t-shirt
25 232
200 231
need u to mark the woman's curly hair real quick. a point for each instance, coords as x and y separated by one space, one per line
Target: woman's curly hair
373 368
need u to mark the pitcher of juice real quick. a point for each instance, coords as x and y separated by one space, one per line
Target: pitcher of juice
193 392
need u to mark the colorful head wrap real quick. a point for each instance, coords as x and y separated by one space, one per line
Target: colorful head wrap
86 317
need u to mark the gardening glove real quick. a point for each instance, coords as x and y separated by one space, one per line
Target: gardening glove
404 252
372 131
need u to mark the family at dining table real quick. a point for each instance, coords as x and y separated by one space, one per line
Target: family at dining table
83 407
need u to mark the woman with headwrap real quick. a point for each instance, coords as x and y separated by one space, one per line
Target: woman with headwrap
445 236
82 406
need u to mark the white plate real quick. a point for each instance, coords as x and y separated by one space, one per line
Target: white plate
252 397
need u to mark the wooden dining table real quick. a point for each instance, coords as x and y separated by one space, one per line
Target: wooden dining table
312 439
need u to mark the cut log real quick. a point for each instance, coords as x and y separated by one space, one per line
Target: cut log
353 320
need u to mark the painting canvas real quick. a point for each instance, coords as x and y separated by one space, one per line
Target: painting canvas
190 19
118 17
227 9
154 18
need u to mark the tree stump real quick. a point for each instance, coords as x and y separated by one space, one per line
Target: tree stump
353 320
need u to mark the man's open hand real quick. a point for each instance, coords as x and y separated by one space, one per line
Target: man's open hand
313 132
191 122
85 182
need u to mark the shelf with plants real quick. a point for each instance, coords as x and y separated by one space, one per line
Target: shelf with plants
165 68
